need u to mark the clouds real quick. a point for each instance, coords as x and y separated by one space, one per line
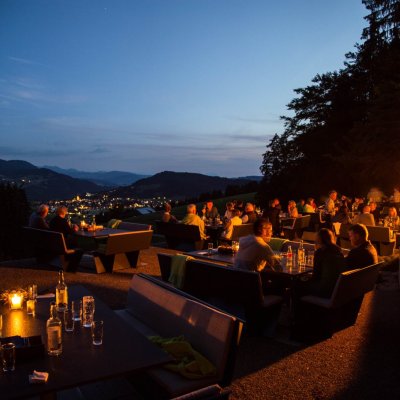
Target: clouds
24 61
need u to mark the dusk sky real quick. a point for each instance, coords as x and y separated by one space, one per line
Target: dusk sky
151 85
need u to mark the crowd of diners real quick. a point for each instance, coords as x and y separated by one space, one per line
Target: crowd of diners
329 261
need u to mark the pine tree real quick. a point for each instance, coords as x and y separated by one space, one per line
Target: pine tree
345 130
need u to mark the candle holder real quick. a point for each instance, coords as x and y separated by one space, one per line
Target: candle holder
15 300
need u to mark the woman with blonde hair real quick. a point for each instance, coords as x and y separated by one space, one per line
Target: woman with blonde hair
292 209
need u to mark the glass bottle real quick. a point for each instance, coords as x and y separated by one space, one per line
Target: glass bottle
53 330
61 293
289 257
94 221
301 259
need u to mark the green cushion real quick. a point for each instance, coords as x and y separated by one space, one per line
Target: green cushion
113 223
276 243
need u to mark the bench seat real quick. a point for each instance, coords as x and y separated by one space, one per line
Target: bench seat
318 317
180 236
156 308
233 290
121 250
50 247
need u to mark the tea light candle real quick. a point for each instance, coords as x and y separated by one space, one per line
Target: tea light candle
15 300
30 307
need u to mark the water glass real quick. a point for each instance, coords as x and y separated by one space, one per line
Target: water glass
76 307
8 355
210 248
87 311
32 292
310 259
69 322
97 332
31 307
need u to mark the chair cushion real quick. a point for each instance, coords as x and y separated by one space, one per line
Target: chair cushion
271 300
319 301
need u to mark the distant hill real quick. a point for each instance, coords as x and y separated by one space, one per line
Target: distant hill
255 178
102 178
176 185
44 184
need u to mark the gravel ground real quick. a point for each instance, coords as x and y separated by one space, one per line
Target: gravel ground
361 362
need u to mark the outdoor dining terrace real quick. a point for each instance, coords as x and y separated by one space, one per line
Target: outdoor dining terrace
358 362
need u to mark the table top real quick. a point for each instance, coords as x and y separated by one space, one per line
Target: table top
229 260
101 233
124 350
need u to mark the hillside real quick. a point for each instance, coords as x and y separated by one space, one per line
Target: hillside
176 185
43 184
102 178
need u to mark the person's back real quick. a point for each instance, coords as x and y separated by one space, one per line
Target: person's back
365 218
235 220
362 256
167 216
363 252
37 219
191 218
328 265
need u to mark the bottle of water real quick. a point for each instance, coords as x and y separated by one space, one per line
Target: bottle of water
61 293
301 259
53 330
289 257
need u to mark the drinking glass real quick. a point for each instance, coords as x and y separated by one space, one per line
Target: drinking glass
31 307
69 322
310 259
76 307
210 248
32 292
8 351
87 311
97 332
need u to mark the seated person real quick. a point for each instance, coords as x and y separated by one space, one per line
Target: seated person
330 204
363 252
167 216
358 205
191 218
254 252
38 218
292 209
365 218
249 216
329 263
342 215
229 211
375 212
300 206
309 208
209 210
59 223
272 214
239 205
392 220
235 220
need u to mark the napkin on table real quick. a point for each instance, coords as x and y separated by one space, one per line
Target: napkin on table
38 377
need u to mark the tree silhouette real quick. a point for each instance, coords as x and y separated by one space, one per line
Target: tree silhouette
344 133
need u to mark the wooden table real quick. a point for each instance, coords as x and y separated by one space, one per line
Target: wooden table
124 350
229 260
